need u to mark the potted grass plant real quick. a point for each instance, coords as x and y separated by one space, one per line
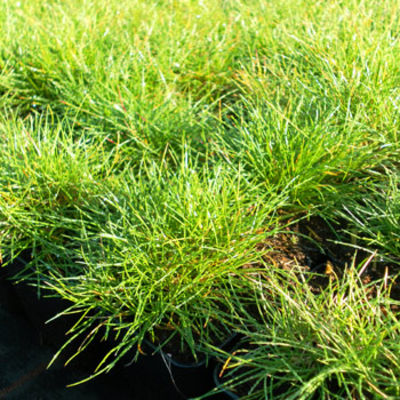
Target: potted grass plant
306 346
134 253
172 240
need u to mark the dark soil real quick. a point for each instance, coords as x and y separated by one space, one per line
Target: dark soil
308 244
323 251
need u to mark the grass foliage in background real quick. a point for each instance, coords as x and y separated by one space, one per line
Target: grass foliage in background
147 149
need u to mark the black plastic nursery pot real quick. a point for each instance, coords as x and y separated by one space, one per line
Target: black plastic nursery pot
219 374
191 379
219 385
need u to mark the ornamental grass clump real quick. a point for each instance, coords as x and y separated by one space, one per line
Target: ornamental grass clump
47 178
171 241
131 72
340 343
302 148
373 216
148 149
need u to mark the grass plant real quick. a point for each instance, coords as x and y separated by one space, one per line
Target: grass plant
168 242
47 179
338 344
374 217
147 149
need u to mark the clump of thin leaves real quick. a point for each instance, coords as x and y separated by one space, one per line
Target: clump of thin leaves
341 343
374 217
147 148
170 240
313 161
47 179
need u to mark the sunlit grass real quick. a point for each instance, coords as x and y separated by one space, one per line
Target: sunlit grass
341 343
147 148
